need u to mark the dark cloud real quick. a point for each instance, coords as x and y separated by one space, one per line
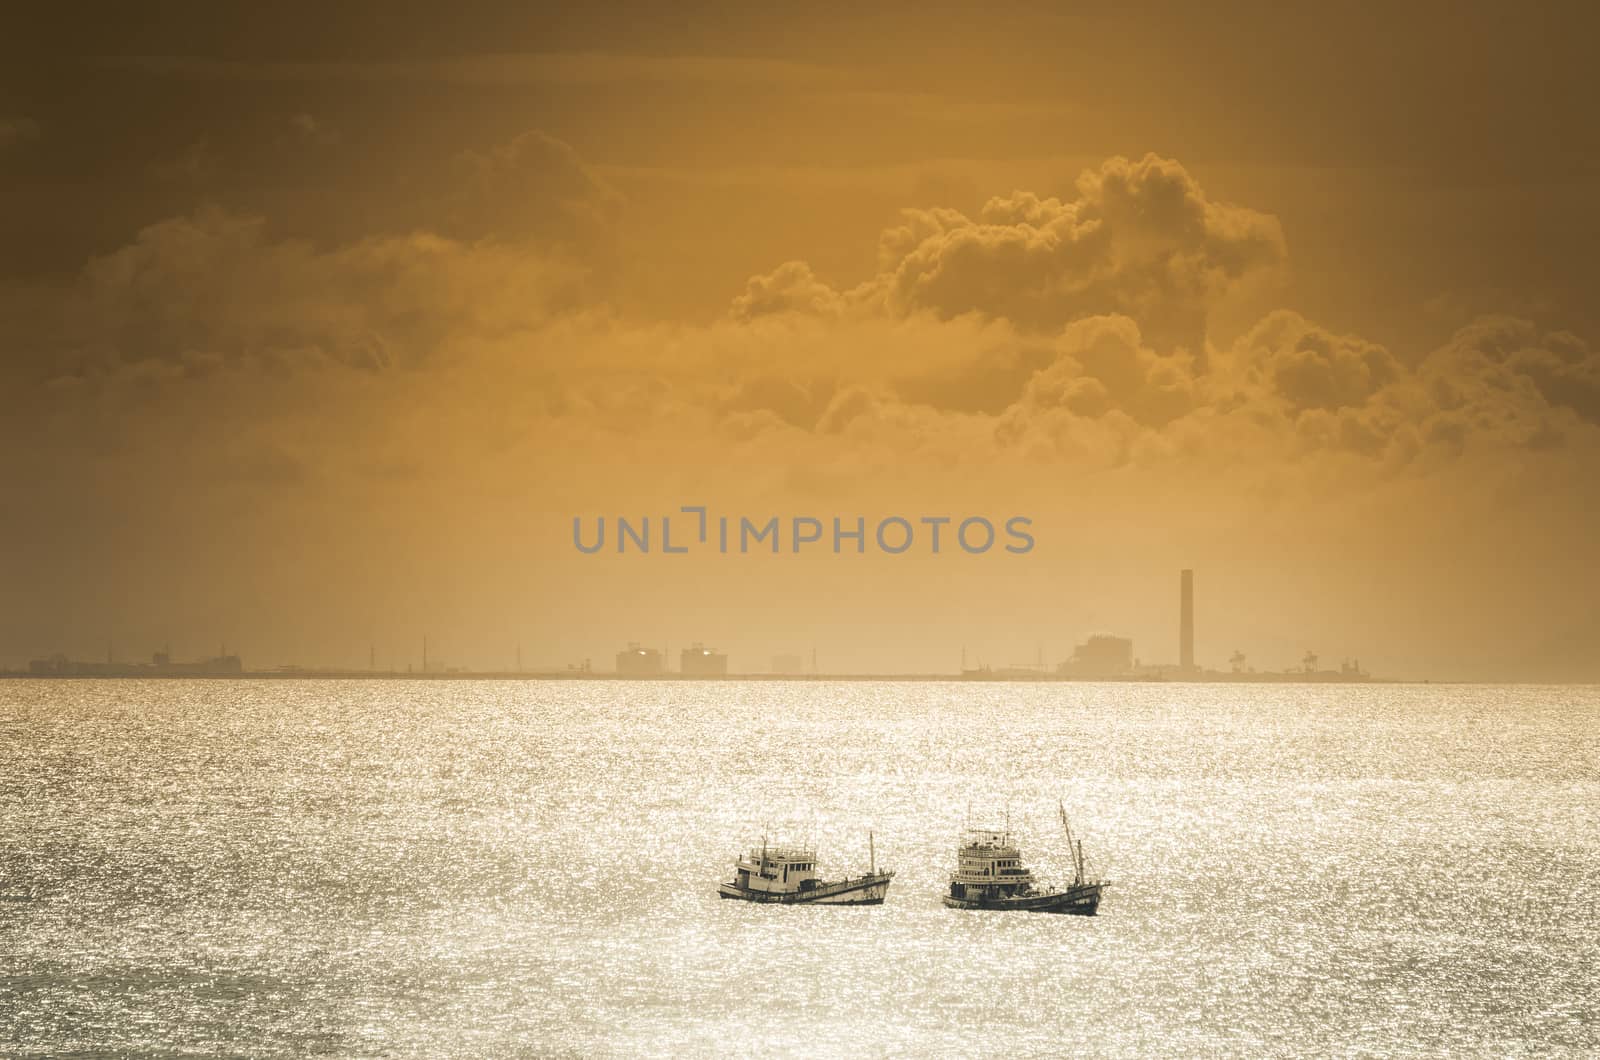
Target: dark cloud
1070 323
1312 368
1140 239
1505 354
533 187
1498 384
198 293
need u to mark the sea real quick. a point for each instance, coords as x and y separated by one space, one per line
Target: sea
459 868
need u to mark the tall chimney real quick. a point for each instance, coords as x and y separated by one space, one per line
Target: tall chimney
1186 620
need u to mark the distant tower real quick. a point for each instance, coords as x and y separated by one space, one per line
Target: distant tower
1186 621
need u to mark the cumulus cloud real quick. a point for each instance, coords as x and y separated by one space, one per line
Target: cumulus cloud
1505 355
1105 384
1098 306
1312 368
1498 383
1140 239
1077 356
212 289
532 187
790 288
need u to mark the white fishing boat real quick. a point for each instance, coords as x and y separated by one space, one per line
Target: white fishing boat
788 875
990 874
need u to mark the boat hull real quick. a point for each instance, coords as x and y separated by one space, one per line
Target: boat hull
862 890
1079 900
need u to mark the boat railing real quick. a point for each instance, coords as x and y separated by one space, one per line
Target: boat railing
772 853
857 879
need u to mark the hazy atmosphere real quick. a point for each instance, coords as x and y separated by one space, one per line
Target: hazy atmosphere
321 327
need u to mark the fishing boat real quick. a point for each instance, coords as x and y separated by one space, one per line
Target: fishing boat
990 874
788 875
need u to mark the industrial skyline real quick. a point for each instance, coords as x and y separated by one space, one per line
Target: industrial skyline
1103 656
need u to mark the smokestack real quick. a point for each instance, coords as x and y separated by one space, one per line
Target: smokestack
1186 620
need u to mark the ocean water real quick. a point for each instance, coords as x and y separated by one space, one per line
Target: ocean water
460 868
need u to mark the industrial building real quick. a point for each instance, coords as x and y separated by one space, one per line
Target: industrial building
640 662
160 665
1102 655
697 660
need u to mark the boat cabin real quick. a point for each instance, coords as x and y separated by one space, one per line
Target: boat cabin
988 865
780 870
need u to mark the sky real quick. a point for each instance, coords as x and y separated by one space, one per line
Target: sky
323 327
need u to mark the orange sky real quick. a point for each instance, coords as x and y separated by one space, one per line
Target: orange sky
323 328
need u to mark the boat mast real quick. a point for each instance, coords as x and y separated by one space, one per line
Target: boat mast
872 855
1075 851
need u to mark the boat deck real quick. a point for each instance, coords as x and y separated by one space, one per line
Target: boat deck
868 889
